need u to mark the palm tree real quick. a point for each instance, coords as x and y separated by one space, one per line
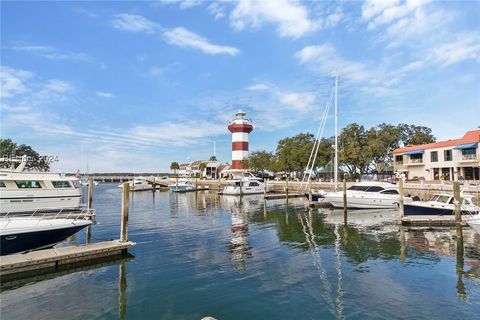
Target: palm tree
174 166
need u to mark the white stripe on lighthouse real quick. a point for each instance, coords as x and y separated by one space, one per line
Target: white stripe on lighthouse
239 136
239 155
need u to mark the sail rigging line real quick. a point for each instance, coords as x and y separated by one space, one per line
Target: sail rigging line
338 267
316 144
317 261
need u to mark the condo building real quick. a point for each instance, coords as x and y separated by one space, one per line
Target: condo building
457 159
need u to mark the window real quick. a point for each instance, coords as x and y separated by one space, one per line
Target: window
253 184
61 184
443 199
358 188
416 158
2 184
469 154
434 197
434 156
389 192
374 189
399 159
24 184
447 155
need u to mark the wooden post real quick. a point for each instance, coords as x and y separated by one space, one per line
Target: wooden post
310 196
241 187
286 186
400 204
196 183
264 187
344 201
461 292
88 236
458 202
176 187
122 290
124 223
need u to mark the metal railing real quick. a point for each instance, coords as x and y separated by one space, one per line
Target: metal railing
83 214
469 156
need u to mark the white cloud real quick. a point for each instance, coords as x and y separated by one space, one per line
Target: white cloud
134 23
104 94
290 17
183 4
466 47
297 101
391 13
333 19
216 10
325 59
371 8
12 81
258 87
49 52
185 38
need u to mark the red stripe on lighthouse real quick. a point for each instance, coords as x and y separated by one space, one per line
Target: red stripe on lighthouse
247 128
238 164
240 145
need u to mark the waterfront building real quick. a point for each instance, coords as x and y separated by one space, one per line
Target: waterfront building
212 170
240 128
457 159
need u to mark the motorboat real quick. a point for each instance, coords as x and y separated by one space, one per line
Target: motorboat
139 184
365 195
182 186
20 234
26 192
244 186
440 204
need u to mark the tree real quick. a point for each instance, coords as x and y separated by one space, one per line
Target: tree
174 166
354 153
201 167
415 135
293 153
260 161
382 140
8 148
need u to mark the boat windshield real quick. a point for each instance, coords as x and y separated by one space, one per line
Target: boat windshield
434 197
374 189
443 199
358 188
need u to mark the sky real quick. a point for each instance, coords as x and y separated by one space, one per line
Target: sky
132 86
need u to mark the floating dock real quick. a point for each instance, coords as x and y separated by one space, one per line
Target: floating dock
53 258
430 221
284 196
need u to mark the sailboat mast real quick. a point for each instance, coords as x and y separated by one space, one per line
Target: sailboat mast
335 170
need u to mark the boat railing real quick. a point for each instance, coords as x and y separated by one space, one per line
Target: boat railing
83 214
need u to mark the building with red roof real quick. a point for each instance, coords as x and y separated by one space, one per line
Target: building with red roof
457 159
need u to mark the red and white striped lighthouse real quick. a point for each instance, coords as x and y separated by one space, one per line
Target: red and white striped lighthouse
240 128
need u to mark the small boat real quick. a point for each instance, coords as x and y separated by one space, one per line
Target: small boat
182 186
19 234
365 195
440 204
139 184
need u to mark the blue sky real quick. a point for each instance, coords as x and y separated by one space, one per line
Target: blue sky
133 86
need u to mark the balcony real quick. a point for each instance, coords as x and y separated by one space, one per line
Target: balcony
469 157
414 162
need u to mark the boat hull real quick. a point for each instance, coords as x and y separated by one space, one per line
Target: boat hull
424 210
20 242
235 191
10 203
359 202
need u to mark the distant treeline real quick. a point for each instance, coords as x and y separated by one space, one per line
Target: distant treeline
360 150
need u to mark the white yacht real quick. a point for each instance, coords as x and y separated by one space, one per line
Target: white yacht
182 186
245 184
27 192
366 195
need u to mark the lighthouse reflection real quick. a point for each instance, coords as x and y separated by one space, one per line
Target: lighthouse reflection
239 247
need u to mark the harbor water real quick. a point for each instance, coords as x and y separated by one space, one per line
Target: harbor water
201 254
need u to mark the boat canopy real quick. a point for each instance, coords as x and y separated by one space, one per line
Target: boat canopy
466 146
421 151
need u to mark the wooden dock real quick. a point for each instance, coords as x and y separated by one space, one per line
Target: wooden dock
430 221
283 196
53 258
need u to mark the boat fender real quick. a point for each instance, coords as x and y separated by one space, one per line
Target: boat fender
416 198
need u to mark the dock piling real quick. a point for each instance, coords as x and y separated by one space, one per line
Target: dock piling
265 187
458 203
344 201
400 205
124 223
88 236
